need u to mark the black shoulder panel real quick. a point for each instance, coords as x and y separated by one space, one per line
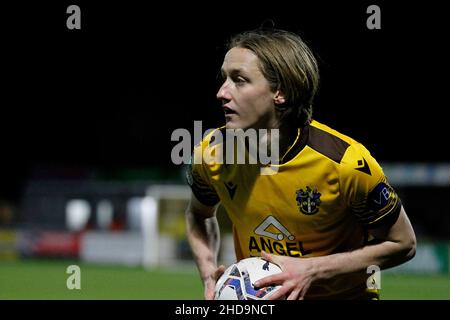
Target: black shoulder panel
327 144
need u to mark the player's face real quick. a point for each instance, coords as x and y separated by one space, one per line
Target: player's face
247 99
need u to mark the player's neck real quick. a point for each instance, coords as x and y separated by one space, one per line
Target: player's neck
288 138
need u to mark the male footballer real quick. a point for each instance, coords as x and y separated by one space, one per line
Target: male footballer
327 213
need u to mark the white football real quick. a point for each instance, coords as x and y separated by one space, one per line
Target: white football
237 281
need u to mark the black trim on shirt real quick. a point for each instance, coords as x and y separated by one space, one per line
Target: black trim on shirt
389 219
202 191
327 144
299 145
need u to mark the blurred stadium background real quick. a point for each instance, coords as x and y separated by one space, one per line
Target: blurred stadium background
85 172
128 239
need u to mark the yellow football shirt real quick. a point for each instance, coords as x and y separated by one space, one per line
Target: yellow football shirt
322 200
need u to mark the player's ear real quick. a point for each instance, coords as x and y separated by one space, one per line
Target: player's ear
279 97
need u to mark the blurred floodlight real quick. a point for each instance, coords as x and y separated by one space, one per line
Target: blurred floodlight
105 212
134 212
78 212
149 224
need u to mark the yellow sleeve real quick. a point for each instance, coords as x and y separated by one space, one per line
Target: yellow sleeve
366 189
198 180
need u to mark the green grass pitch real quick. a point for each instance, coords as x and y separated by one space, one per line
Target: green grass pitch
47 280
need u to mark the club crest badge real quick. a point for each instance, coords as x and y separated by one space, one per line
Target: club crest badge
308 201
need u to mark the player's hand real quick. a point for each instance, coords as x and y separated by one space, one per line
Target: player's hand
295 279
210 282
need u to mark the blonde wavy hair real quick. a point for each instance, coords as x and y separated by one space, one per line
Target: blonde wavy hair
288 65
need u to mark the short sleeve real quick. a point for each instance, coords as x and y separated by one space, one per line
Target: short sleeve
197 179
366 189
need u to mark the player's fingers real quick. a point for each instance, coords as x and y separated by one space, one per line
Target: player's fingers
210 282
209 293
219 271
293 295
280 293
266 256
272 258
270 280
301 295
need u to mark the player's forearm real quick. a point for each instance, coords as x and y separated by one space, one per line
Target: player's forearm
204 238
397 245
384 255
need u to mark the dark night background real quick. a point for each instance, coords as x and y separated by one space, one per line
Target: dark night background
107 97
